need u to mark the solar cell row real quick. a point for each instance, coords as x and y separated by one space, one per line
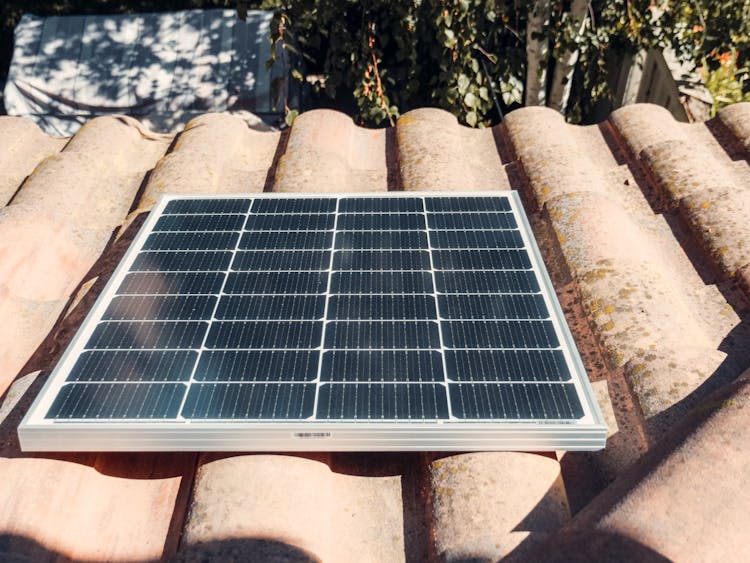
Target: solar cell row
322 240
289 282
302 365
311 307
345 205
295 401
305 260
326 222
155 335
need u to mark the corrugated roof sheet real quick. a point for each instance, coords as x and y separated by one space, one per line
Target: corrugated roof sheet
644 225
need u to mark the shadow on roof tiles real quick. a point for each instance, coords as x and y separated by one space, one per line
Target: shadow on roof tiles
592 545
243 549
14 548
731 144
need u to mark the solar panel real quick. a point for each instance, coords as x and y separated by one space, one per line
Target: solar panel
357 322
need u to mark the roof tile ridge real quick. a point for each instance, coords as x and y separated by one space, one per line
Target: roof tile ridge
326 151
215 153
438 153
704 191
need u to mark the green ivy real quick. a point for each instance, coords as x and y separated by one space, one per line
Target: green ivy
465 56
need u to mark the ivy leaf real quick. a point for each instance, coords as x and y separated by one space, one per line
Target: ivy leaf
484 93
463 83
291 116
472 101
471 119
450 38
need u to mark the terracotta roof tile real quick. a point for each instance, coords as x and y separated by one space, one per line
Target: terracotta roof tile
711 190
737 119
486 504
683 501
327 152
216 153
58 225
298 502
22 147
643 222
436 153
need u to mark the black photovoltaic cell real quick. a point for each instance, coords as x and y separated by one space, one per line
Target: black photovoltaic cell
382 335
147 335
118 400
181 261
381 222
386 401
161 307
249 401
207 206
134 365
381 307
241 309
476 239
288 283
471 221
271 307
393 240
498 334
161 283
293 260
380 205
381 260
199 223
487 281
381 282
493 306
467 204
258 365
224 240
286 240
506 365
306 222
266 335
480 260
412 366
302 205
525 401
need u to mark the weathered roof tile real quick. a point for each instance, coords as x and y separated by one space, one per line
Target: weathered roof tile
216 153
58 225
326 152
637 273
481 501
436 153
737 119
297 502
685 500
22 147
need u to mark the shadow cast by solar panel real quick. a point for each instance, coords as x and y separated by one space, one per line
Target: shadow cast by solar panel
123 465
18 548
